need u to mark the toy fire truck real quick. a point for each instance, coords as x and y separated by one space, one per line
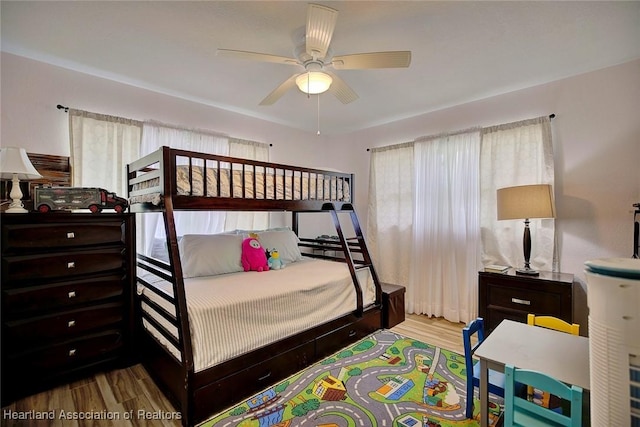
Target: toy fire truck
71 198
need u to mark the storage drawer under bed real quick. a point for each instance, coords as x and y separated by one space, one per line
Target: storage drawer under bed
233 388
335 340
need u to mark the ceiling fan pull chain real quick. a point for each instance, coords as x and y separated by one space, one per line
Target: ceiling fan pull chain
318 115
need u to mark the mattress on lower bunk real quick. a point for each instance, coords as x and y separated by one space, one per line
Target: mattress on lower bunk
232 314
279 187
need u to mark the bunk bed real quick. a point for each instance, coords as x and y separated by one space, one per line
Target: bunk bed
183 342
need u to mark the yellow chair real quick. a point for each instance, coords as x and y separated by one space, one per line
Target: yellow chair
554 323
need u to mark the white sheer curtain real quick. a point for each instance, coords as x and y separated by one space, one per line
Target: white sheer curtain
446 233
390 212
101 147
432 212
247 220
424 229
156 135
519 153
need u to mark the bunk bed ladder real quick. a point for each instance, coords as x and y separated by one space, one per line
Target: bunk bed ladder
356 244
184 333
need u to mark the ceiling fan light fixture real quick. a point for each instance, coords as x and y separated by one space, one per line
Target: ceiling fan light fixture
314 82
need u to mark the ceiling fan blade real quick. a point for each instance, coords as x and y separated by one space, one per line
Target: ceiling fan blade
253 56
359 61
341 90
321 21
280 90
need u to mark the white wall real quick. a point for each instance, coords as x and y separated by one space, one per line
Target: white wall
31 90
596 138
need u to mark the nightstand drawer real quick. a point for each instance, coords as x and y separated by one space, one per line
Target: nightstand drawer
63 325
524 299
61 264
60 295
17 237
511 296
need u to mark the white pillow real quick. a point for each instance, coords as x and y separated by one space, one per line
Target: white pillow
210 254
285 241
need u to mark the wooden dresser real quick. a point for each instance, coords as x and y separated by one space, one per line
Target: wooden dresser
67 297
510 296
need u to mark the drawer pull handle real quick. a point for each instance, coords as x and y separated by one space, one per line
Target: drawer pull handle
265 376
71 264
72 294
71 323
72 352
352 333
71 235
520 301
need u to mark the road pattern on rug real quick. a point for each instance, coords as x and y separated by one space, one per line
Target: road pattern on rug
383 380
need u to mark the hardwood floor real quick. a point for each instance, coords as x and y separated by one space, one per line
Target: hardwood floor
130 397
433 330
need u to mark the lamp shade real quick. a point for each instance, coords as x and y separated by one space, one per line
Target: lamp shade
525 202
14 161
314 82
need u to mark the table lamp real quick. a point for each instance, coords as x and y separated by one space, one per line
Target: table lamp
16 166
526 202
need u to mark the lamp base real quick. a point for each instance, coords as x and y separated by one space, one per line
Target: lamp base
16 205
527 272
16 210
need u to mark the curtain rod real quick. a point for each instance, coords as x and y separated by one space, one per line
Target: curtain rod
66 110
551 116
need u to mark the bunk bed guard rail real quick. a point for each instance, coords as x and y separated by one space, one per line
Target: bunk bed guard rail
193 179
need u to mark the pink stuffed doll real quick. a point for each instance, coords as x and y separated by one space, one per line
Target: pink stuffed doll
253 255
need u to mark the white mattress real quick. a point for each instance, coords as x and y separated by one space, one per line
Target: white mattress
278 187
232 314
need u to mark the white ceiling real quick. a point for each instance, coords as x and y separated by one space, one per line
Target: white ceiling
461 51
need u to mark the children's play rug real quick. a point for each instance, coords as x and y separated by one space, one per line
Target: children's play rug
383 380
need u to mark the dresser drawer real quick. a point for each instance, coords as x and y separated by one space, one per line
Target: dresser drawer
62 325
69 354
61 264
524 299
60 295
29 237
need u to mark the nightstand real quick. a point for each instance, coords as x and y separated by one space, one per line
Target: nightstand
392 305
510 296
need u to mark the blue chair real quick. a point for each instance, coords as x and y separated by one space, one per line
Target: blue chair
496 379
521 412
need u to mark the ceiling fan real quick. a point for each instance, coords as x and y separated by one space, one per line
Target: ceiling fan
313 52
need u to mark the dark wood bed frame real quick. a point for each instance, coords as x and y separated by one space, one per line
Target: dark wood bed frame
198 395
